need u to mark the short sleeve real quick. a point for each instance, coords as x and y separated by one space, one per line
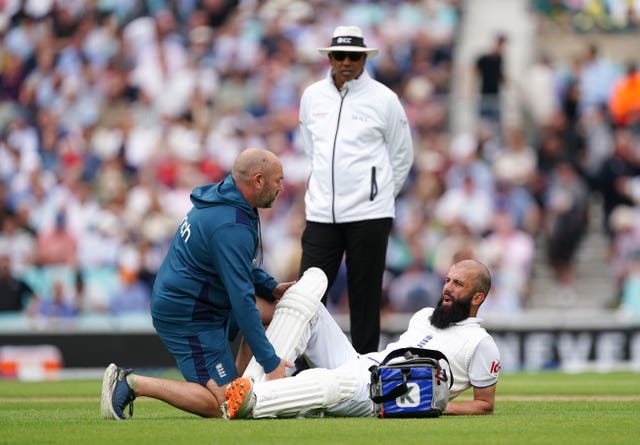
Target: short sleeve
485 364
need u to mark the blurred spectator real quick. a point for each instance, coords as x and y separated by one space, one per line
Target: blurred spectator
12 77
567 124
551 151
490 73
616 170
19 149
554 11
624 100
589 16
516 162
624 222
598 142
283 228
521 205
151 256
145 213
414 289
60 304
539 90
91 293
100 244
630 300
133 294
468 204
457 243
15 294
597 77
468 154
509 253
57 247
82 209
566 209
17 242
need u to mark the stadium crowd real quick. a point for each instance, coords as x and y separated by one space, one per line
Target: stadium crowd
589 16
112 111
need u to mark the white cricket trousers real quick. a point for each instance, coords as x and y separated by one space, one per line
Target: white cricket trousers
328 347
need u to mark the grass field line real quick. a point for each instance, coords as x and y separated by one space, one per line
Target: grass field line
569 398
57 399
49 399
504 398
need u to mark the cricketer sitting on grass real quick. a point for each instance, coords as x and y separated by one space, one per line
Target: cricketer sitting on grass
338 382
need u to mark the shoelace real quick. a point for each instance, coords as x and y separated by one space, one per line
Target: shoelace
131 396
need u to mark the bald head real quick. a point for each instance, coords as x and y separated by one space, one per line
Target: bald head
252 161
482 276
258 174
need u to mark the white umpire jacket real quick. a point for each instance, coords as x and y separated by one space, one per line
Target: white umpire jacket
359 144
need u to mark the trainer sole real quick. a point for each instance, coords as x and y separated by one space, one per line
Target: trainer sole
238 398
108 386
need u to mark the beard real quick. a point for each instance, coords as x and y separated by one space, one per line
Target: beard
443 316
267 198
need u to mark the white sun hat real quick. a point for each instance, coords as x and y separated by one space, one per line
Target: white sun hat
348 38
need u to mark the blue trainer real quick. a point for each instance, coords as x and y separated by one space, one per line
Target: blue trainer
116 393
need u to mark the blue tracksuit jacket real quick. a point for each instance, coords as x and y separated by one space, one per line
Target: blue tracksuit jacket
210 272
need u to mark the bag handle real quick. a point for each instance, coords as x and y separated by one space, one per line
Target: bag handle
420 352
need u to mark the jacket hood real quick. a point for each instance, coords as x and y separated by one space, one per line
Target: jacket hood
224 192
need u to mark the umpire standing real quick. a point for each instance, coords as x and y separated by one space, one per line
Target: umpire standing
358 141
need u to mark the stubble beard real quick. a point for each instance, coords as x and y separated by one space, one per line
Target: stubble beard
267 199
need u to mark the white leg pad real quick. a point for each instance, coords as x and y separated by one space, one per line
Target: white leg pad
293 313
311 391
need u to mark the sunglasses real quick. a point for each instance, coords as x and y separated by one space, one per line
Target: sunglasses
341 55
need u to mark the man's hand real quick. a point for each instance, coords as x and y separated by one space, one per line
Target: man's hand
280 371
281 288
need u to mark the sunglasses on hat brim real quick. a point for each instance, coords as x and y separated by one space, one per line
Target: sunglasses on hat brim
354 56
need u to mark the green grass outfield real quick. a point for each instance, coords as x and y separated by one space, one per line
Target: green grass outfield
544 408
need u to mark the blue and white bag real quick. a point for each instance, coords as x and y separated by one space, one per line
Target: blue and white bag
411 382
